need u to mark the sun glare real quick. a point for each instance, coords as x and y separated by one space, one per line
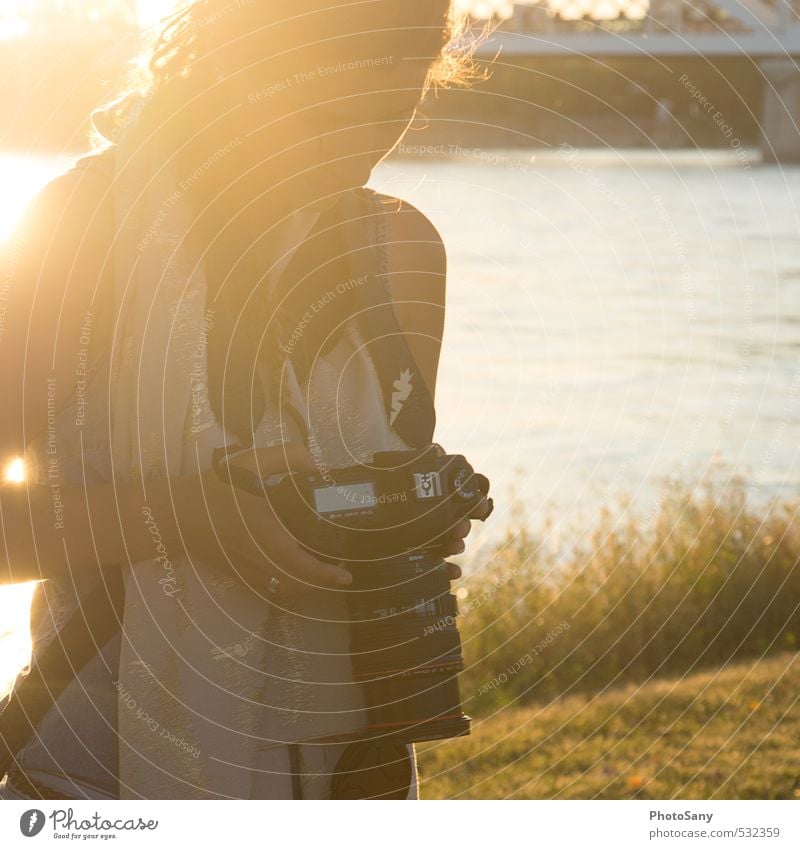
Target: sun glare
15 471
21 177
150 12
15 637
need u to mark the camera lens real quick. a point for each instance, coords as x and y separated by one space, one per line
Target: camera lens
406 649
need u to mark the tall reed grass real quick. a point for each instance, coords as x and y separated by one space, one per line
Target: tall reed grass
705 580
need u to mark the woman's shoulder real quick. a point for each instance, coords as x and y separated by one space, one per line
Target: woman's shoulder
87 174
69 216
417 265
82 187
409 226
417 258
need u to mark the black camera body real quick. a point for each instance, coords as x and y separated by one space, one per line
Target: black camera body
388 522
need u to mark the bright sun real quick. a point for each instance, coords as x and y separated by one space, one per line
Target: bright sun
151 11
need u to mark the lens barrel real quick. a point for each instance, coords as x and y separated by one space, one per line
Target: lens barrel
406 649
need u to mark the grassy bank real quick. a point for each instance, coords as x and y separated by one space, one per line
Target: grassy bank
730 734
703 581
655 657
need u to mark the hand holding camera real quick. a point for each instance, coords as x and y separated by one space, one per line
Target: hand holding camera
392 522
250 539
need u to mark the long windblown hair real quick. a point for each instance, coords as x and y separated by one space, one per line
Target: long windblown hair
180 46
174 81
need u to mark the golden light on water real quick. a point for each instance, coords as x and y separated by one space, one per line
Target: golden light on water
22 177
15 603
15 640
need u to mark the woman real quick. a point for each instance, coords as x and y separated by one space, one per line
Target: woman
209 279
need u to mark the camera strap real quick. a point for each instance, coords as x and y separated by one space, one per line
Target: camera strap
408 401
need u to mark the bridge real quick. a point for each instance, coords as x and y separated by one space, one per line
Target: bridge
766 31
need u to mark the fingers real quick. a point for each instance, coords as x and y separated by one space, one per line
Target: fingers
455 571
455 539
455 543
454 546
293 567
247 535
289 561
305 567
461 529
482 510
297 458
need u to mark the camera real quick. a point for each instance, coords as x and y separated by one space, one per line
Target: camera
389 521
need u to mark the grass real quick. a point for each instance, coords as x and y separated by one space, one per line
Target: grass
729 734
705 580
645 657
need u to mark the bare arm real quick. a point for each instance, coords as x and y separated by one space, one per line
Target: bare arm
78 529
197 516
418 265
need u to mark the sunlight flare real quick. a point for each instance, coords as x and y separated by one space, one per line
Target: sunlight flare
15 471
15 637
150 12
